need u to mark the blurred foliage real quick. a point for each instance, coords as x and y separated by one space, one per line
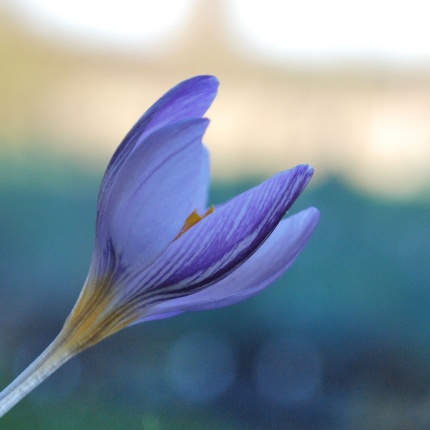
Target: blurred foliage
355 303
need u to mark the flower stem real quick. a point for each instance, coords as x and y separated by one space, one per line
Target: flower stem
55 355
92 319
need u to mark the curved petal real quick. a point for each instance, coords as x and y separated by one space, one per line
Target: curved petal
220 242
202 197
264 267
153 194
155 317
187 100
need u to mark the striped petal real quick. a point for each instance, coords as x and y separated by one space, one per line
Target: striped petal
219 243
153 194
263 268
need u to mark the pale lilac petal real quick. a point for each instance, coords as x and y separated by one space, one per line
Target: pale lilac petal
220 242
155 317
153 194
187 100
201 202
264 267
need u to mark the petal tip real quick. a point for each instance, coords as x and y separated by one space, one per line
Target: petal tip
207 83
306 170
314 214
305 173
209 79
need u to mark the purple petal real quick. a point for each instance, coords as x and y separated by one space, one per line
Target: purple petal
263 268
153 194
201 202
220 242
187 100
155 317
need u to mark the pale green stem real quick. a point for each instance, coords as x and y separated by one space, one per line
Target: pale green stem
48 362
92 319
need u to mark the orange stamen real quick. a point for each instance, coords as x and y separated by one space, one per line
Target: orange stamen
193 219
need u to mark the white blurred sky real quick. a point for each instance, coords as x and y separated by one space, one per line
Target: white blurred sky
308 31
378 124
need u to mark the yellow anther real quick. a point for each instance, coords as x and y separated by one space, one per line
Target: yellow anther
193 219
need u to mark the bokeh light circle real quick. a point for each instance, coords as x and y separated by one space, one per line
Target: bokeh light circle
201 366
287 371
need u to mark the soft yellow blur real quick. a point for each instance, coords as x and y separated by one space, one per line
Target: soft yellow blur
369 125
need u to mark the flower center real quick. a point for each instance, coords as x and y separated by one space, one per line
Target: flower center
193 219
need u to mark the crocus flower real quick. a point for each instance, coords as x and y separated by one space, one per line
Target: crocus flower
159 249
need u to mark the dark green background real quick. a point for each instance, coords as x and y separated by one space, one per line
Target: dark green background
358 299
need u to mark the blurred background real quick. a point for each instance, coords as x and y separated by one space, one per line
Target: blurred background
342 341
